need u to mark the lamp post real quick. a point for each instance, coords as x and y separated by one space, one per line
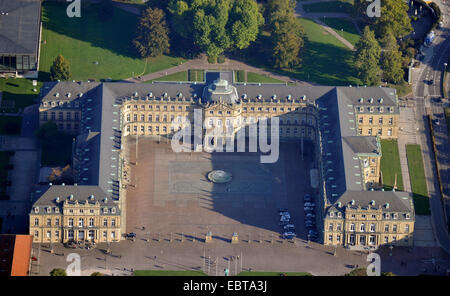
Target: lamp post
390 248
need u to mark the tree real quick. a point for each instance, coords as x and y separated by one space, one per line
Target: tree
286 33
216 25
391 62
367 58
60 70
152 36
58 272
357 272
105 10
287 43
61 175
394 18
97 274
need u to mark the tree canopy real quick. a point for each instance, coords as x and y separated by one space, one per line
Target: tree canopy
58 272
286 32
152 36
394 18
391 62
60 70
216 25
367 58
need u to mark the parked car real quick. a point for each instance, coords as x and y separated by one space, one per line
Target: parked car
283 223
288 226
130 235
283 218
289 233
312 232
308 209
286 216
288 236
310 204
307 197
309 215
282 210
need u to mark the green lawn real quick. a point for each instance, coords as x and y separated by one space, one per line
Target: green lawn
332 6
274 273
239 75
418 181
343 27
254 77
10 125
325 60
168 273
196 75
402 89
18 92
390 165
86 40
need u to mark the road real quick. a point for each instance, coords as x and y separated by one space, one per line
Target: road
425 95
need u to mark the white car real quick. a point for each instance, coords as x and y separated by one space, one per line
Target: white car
310 204
289 233
288 226
284 213
283 218
310 216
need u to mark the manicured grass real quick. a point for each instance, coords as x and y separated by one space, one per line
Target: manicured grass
168 273
20 91
57 152
418 181
10 125
196 75
86 40
390 165
402 89
239 76
254 77
332 6
447 119
273 273
343 27
325 60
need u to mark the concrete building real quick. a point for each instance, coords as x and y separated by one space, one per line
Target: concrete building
20 28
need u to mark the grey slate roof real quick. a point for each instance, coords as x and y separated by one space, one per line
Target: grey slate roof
81 194
19 26
399 202
363 144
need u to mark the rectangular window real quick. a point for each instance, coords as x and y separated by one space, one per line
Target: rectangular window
407 228
386 228
330 227
49 222
394 228
362 227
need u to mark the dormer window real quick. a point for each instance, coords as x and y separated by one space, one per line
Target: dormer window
56 210
113 210
408 216
105 210
49 210
371 100
331 214
391 109
339 214
361 109
371 109
36 210
381 109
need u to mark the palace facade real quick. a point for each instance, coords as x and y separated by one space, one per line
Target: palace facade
344 123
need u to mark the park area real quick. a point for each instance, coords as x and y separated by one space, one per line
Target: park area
390 165
418 181
324 59
95 49
17 93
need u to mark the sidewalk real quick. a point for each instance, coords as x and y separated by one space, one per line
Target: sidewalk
229 64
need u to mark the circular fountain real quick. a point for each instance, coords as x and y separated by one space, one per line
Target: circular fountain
219 176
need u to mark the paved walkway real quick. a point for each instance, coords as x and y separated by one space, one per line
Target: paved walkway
300 12
229 64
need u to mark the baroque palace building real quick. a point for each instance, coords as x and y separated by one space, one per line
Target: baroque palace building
345 124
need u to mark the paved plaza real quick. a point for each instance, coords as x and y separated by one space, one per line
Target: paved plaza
170 192
169 195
